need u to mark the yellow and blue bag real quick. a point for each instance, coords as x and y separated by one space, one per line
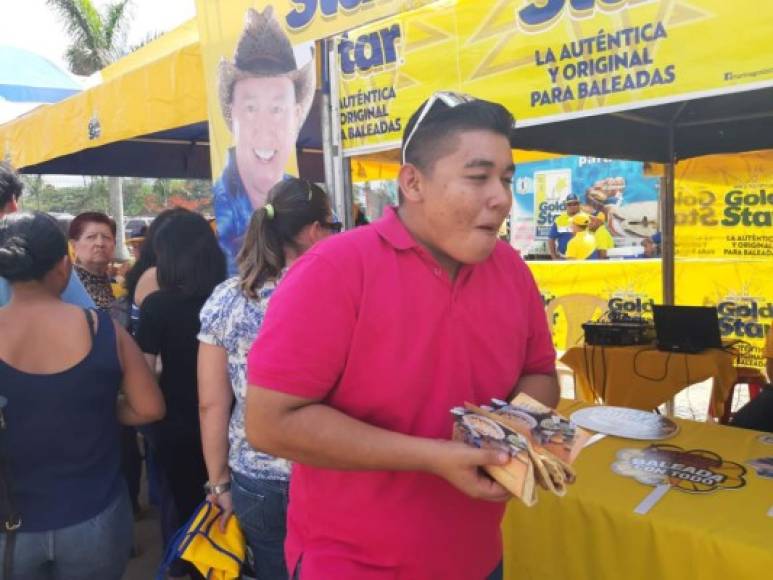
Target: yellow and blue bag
218 555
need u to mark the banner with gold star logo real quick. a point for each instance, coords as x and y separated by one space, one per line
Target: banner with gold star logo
548 60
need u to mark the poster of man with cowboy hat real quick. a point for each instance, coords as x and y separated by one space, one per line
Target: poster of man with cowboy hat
265 94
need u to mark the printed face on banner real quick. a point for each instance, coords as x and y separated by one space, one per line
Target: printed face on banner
694 471
265 92
265 119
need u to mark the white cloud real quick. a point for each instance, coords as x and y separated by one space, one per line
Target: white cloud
34 26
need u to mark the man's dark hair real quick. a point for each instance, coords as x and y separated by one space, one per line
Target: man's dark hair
436 136
10 184
189 260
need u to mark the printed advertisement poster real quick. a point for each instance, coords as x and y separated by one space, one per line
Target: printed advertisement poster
576 292
261 74
742 291
551 186
548 60
620 190
724 206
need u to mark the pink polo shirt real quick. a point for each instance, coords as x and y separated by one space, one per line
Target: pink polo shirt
370 323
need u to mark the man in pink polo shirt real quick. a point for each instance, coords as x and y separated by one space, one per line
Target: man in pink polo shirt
370 340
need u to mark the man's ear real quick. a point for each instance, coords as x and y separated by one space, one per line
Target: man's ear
410 180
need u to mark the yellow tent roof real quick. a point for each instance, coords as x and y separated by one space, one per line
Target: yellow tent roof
187 34
157 88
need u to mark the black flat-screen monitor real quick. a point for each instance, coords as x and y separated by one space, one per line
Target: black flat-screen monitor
686 328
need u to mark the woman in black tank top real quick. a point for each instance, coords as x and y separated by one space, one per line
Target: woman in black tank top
61 371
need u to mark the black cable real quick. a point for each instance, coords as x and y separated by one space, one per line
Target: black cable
643 376
686 371
587 366
604 373
590 371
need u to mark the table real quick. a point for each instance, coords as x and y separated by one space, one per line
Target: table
642 377
593 533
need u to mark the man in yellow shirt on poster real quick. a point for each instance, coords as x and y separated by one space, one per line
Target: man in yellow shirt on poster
604 240
583 245
561 230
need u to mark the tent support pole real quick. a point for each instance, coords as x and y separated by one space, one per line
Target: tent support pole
667 226
347 216
667 238
115 192
337 166
667 211
327 124
667 232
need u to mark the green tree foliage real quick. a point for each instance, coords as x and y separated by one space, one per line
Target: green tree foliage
97 38
142 197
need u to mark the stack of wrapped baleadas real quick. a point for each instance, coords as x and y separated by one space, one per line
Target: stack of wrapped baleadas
541 443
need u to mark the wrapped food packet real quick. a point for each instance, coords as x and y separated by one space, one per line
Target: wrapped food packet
517 476
548 430
541 442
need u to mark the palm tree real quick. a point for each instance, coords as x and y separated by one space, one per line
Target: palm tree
98 38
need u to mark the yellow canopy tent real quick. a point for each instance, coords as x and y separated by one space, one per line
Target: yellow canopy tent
147 117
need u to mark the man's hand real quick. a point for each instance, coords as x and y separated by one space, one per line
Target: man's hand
460 464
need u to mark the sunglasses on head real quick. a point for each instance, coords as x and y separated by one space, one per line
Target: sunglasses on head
448 98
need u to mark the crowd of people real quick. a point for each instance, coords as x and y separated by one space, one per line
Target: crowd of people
308 396
345 382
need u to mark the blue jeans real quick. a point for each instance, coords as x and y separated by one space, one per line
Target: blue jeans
95 549
261 508
498 573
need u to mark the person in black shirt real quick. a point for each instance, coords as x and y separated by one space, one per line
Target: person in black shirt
189 265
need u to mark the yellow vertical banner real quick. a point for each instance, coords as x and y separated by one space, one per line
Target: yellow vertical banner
742 291
260 71
723 206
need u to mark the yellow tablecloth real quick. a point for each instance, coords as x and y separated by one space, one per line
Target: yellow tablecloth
593 533
642 377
